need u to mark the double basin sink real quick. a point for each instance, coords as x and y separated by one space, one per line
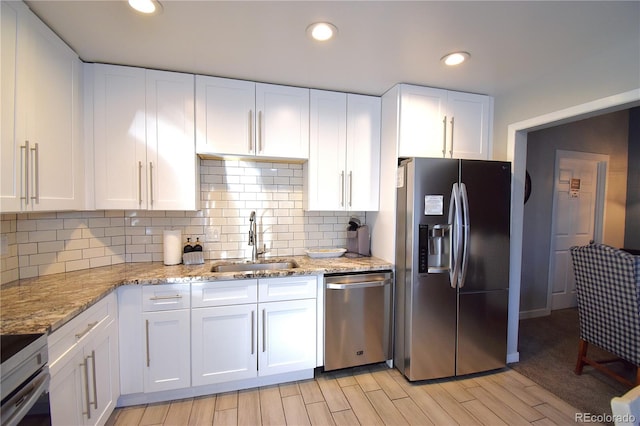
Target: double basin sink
248 266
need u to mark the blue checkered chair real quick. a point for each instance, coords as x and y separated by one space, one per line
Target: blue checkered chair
608 290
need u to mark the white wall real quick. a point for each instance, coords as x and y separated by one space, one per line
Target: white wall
565 86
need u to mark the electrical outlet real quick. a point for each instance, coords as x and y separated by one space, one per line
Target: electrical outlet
213 233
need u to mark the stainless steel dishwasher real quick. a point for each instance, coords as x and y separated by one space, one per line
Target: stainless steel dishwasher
357 325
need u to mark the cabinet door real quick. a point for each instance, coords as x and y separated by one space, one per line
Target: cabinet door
48 166
470 117
225 116
287 340
171 156
325 170
282 128
168 360
11 158
224 344
362 184
102 355
67 392
422 125
120 137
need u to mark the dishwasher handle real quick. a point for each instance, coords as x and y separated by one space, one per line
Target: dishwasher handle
361 284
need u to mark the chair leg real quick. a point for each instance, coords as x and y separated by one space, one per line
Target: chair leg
582 353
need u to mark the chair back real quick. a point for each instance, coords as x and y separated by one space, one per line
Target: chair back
608 292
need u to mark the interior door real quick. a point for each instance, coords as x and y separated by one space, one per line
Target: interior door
575 195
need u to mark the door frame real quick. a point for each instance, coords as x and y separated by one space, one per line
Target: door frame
600 202
517 154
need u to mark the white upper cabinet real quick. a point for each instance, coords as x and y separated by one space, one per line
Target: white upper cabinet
442 123
235 117
42 145
344 159
144 144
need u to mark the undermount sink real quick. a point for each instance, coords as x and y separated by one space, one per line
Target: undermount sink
253 266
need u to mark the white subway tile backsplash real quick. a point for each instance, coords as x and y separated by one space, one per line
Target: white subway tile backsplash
45 243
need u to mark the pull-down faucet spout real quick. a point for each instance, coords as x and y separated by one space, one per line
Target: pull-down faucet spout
253 237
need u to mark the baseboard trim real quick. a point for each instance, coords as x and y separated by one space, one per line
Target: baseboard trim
535 313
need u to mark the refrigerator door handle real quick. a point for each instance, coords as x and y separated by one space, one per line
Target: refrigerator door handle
455 220
465 225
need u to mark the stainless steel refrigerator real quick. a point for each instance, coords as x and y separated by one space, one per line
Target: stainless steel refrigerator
452 266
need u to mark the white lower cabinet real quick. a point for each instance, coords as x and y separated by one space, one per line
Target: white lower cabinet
207 337
168 364
235 338
287 340
84 367
224 344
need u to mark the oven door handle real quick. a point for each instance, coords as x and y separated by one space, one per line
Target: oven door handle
20 404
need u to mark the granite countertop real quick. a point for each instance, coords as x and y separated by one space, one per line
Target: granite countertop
44 304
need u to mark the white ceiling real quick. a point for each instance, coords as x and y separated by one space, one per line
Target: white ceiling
379 44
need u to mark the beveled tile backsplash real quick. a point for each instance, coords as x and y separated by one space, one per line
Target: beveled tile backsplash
47 243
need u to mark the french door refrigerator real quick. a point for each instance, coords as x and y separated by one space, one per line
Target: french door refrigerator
452 266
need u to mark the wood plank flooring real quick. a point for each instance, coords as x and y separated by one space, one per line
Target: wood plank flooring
373 395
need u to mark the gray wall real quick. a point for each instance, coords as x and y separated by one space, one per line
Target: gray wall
605 134
632 225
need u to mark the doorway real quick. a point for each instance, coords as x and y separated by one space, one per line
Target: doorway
578 209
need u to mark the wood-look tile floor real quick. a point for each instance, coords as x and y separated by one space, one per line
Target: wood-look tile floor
373 395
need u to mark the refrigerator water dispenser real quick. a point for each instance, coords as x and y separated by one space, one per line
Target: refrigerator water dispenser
434 249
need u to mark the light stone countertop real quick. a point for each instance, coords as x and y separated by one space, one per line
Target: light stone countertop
46 303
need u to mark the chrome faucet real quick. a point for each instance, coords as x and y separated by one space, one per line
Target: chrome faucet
253 241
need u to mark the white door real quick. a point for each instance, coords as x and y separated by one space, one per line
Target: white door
171 150
422 129
468 117
578 190
287 338
363 153
168 360
225 116
282 127
224 344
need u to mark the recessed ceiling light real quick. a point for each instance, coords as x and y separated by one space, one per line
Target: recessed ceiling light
322 31
148 7
455 58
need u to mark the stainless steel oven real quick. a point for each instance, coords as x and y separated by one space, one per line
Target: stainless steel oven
24 380
358 319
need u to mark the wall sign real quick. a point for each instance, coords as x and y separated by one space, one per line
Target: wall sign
574 188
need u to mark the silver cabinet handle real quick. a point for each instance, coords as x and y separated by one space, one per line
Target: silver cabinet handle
25 173
36 174
176 296
364 284
95 386
140 182
86 330
85 365
342 188
444 137
250 130
264 330
253 315
151 182
452 124
147 341
260 131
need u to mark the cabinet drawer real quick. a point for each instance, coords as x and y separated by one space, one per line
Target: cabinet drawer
165 297
289 288
221 293
81 327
